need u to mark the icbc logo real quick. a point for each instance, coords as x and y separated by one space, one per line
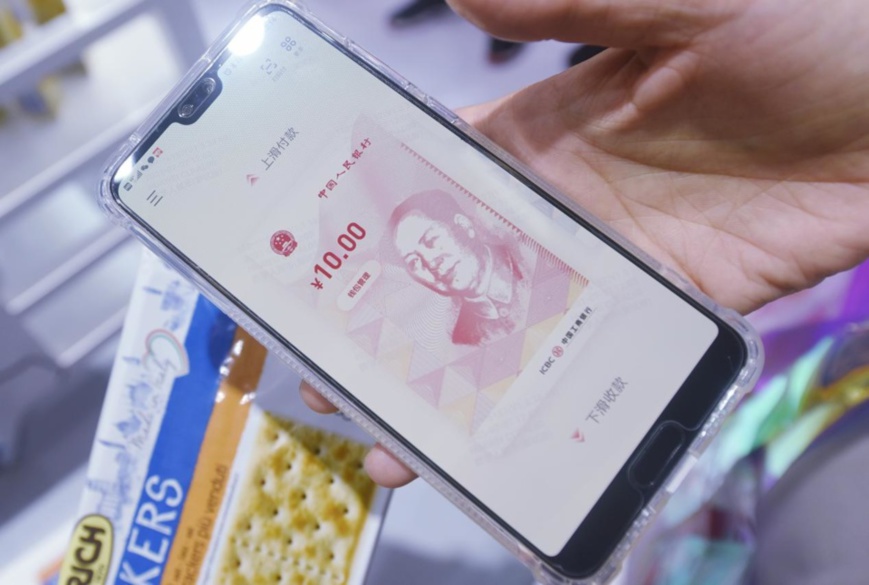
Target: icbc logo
283 243
558 351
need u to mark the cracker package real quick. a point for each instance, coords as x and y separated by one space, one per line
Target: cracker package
208 469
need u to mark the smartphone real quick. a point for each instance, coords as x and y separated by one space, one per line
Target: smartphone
542 373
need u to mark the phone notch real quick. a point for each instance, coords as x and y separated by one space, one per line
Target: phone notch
198 100
657 456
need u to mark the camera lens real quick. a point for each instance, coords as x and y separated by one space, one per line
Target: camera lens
186 110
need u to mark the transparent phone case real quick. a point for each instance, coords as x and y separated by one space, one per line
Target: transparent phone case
542 572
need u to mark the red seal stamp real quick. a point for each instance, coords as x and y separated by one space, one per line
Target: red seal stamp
283 243
558 351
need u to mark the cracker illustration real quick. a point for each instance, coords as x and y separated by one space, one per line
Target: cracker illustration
302 507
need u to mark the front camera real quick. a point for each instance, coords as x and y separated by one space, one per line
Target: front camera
197 97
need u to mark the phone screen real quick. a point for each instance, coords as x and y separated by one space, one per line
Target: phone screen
507 343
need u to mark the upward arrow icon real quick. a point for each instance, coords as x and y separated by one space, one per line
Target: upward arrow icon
252 179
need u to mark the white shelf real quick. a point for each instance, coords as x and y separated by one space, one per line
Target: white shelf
124 75
93 150
69 214
65 274
58 43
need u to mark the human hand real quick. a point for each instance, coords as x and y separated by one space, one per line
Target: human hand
727 138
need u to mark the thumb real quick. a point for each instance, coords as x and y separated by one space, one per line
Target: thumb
629 24
584 102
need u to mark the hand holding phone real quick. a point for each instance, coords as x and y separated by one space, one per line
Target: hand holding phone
534 366
744 286
695 144
516 123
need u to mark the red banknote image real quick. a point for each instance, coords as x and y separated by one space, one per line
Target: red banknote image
429 280
452 254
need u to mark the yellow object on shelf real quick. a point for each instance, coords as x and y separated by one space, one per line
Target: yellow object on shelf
10 27
45 10
44 99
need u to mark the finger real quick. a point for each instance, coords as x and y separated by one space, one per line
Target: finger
383 467
610 23
315 400
386 470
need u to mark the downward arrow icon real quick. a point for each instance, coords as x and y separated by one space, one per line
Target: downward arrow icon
578 436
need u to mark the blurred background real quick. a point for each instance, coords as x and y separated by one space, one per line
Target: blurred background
76 77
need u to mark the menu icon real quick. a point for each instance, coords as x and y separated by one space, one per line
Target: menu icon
154 199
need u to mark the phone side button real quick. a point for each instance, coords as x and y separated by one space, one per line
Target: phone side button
441 109
377 64
416 92
657 455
